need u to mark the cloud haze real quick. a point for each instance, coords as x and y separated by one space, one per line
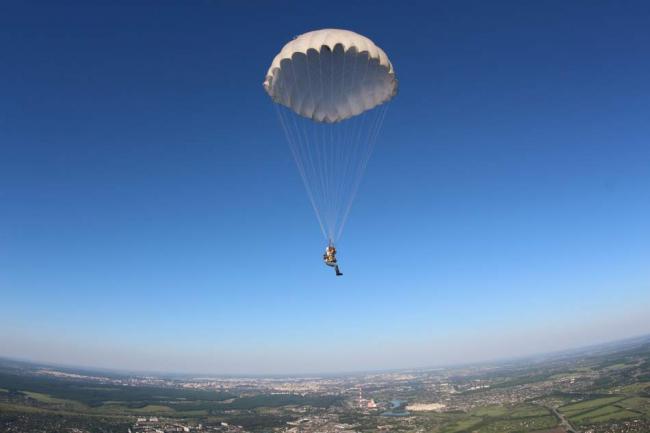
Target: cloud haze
377 353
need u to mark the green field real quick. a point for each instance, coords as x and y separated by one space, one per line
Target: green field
585 417
528 411
584 406
634 388
492 411
498 419
608 409
519 424
462 425
636 404
614 416
54 402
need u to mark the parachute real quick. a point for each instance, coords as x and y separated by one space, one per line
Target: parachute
331 89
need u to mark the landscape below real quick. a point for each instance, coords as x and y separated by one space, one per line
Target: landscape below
603 389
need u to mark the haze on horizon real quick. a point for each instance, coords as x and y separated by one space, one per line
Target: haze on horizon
151 217
380 355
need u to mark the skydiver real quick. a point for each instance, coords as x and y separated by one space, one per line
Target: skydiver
330 259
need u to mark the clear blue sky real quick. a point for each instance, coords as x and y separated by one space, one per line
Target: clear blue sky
151 216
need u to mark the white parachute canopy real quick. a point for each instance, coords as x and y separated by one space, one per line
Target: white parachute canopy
331 87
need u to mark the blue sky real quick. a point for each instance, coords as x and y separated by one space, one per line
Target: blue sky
151 216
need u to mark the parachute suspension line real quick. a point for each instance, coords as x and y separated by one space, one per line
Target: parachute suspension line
348 168
301 150
341 159
311 141
352 157
340 146
301 169
331 154
332 163
297 151
371 140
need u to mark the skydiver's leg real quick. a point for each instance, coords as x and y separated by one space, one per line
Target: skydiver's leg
338 273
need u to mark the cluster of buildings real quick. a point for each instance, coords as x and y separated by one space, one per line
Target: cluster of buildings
632 426
325 423
153 424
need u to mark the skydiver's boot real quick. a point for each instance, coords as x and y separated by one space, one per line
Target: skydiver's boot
338 273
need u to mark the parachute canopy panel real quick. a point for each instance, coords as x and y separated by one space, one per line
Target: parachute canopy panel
331 75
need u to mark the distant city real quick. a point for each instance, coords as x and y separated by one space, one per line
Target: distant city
603 389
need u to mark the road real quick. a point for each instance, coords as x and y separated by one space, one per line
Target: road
563 421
